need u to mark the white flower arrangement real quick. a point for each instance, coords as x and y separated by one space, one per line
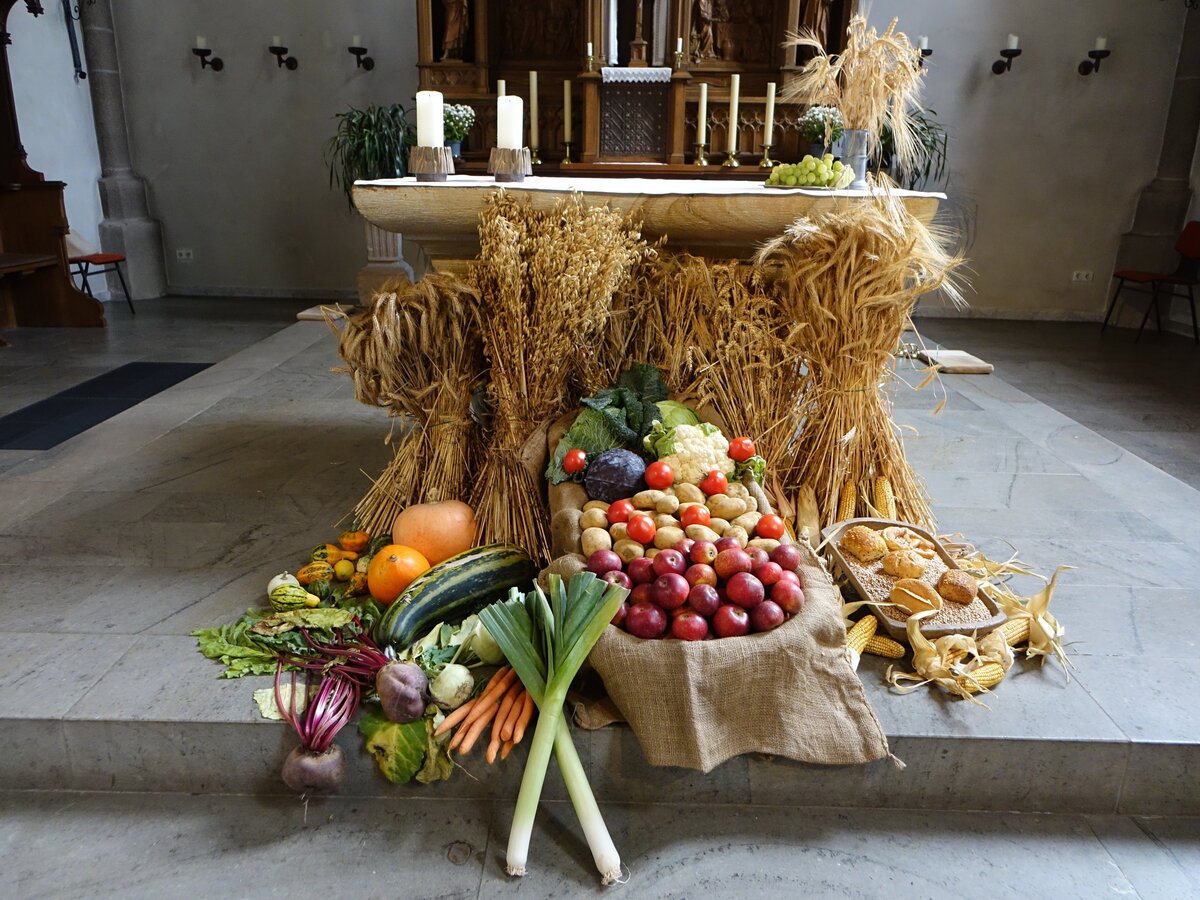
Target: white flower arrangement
457 119
821 123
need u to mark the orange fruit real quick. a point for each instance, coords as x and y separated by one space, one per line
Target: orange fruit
393 569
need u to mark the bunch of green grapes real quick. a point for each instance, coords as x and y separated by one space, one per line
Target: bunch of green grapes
812 172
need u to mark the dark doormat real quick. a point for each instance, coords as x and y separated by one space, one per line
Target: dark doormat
47 423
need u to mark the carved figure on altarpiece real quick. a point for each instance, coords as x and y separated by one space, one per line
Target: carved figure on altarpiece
458 23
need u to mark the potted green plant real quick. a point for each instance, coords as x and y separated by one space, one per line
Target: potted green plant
930 164
369 143
820 126
457 120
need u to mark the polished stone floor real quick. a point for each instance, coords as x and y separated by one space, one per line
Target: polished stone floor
128 760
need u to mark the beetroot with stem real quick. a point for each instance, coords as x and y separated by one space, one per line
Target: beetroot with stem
318 765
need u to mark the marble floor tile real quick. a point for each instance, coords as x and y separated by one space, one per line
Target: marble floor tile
1006 490
1180 838
1148 697
45 674
1153 865
1127 621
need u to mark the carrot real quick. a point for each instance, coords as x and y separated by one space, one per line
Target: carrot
510 700
510 720
523 721
492 750
455 717
500 673
506 749
475 730
490 698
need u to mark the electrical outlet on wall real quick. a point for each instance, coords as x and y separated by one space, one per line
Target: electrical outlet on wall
184 254
1081 276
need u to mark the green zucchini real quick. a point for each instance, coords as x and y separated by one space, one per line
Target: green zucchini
453 590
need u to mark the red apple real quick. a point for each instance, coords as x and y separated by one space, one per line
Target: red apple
685 546
641 570
645 620
689 626
619 618
728 544
704 599
731 621
703 552
788 556
602 561
729 562
669 562
766 615
768 573
616 576
701 574
745 590
642 593
674 614
789 597
789 576
758 556
671 590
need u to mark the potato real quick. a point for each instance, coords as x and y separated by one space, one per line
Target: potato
722 506
738 490
567 495
663 520
668 504
668 537
748 520
618 531
594 539
565 532
595 504
651 552
720 526
738 534
768 544
628 550
647 499
689 493
593 518
702 533
751 503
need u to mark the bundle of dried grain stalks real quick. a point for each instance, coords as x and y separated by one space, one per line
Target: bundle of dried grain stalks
851 277
418 352
875 79
546 280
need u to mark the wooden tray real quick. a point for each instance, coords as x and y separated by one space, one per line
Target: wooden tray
897 628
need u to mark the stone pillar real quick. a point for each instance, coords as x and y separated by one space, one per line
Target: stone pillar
127 227
384 263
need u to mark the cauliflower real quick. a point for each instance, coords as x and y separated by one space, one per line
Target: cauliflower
692 451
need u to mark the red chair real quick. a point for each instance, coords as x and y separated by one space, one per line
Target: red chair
109 262
1163 284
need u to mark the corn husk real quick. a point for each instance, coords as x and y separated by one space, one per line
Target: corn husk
948 662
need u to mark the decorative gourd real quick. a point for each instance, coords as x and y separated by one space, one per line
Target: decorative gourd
393 569
437 530
292 596
331 554
281 578
320 588
355 541
377 543
343 569
357 585
453 590
315 571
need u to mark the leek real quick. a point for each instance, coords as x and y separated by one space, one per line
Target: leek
546 638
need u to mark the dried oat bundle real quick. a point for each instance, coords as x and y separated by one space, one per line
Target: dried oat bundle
850 277
546 283
418 352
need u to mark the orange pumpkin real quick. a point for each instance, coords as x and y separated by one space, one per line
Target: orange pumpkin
437 530
393 569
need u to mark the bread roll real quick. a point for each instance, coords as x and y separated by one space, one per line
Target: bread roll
865 543
904 564
957 586
915 596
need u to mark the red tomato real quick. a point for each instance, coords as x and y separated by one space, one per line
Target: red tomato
770 526
741 449
714 482
659 476
574 461
696 514
620 512
640 528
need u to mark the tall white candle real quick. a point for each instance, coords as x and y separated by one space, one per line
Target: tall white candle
509 113
533 110
769 115
356 41
702 114
567 110
589 48
678 45
201 42
276 41
924 42
1012 42
1101 43
501 87
735 91
429 119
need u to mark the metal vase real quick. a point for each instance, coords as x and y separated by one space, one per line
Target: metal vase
854 148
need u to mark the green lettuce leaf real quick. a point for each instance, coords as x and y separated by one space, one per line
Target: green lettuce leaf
438 764
755 465
399 750
320 617
672 412
646 381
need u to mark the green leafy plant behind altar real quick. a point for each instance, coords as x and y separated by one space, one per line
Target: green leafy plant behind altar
369 143
929 165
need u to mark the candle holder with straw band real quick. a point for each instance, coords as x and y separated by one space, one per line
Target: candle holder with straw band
510 164
431 163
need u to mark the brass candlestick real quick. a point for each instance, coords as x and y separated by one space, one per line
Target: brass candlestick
700 158
566 161
767 162
730 160
590 65
678 59
534 159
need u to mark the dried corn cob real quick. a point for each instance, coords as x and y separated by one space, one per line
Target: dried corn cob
847 501
1016 631
885 500
880 645
856 638
984 677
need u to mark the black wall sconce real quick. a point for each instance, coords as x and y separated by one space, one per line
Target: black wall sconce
202 50
280 53
361 60
1011 52
1101 51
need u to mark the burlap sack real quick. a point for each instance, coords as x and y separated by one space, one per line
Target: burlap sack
789 692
